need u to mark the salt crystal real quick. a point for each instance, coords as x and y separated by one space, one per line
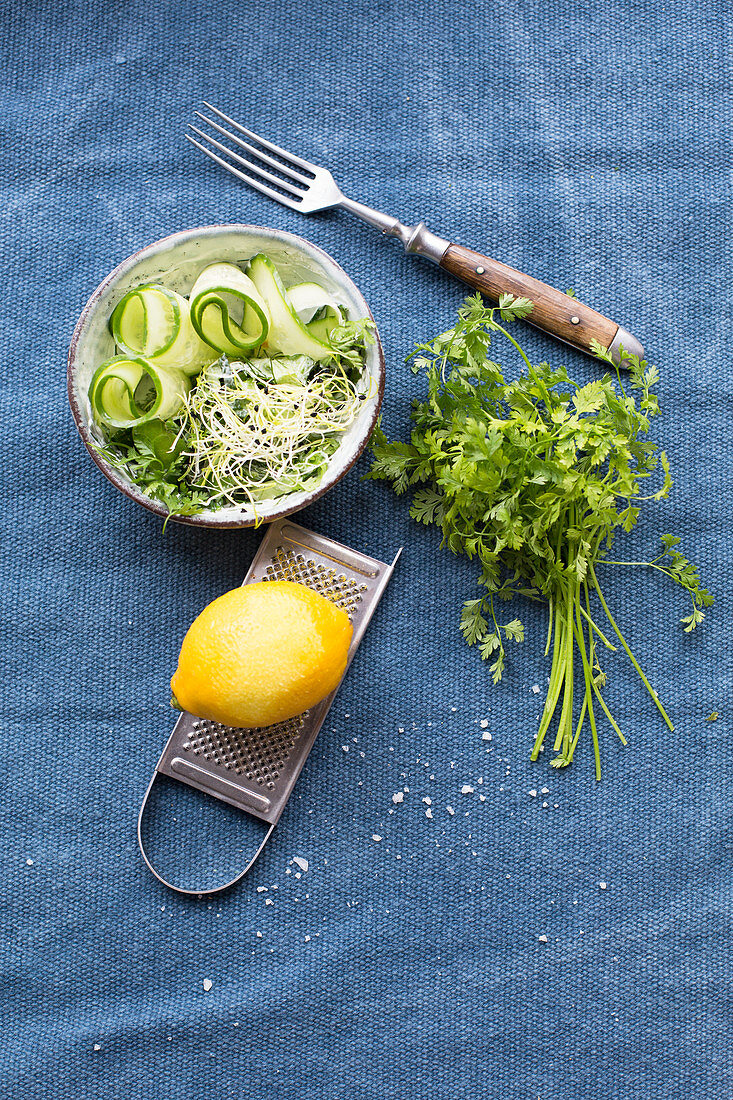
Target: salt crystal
207 984
545 790
429 813
542 939
258 935
400 729
535 689
484 723
261 889
453 710
533 794
306 939
545 805
602 885
376 837
97 1046
465 789
344 748
398 797
482 798
29 862
450 810
485 736
428 801
302 863
269 901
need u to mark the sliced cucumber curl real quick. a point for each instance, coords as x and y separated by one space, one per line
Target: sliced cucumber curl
126 391
227 310
154 322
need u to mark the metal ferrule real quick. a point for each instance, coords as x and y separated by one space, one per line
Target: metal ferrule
624 339
417 239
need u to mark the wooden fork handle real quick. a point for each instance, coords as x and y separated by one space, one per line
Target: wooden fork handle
553 312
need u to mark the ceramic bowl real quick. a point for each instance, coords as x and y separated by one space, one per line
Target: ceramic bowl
176 261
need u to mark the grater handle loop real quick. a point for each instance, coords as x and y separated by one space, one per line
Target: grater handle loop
180 889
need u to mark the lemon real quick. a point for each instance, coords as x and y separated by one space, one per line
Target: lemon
261 654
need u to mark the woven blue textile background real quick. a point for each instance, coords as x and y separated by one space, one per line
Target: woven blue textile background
588 144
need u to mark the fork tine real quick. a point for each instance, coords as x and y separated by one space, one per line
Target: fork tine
262 141
269 191
277 180
297 176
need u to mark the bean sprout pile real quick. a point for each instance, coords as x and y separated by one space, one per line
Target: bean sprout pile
253 437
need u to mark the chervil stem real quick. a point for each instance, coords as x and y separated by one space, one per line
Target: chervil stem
631 656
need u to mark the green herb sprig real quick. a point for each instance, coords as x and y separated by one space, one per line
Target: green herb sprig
532 478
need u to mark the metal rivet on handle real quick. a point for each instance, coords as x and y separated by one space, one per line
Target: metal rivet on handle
575 320
479 271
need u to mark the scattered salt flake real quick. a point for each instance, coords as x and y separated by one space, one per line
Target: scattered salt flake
269 901
484 723
302 863
344 748
376 837
533 794
453 710
466 789
429 813
428 801
258 935
397 797
97 1046
545 805
261 889
306 939
400 729
545 790
207 984
29 862
482 798
542 939
485 736
535 689
450 810
602 885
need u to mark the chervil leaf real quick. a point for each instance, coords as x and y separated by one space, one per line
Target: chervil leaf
426 506
514 630
590 398
488 644
473 624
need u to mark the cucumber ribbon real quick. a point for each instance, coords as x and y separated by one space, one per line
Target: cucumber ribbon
154 322
227 310
127 391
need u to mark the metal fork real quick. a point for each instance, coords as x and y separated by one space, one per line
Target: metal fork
306 187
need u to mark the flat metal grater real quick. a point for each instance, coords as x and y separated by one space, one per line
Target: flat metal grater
256 769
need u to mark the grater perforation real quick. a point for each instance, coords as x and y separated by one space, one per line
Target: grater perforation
257 754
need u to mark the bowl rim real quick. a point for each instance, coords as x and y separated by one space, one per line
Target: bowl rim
132 491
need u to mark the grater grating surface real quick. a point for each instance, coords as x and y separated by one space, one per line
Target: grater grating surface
256 769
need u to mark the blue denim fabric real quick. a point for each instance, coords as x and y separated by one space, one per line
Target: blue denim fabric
587 144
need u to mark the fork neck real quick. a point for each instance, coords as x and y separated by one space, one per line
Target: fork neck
416 238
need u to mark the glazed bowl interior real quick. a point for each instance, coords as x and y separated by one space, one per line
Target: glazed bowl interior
176 262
